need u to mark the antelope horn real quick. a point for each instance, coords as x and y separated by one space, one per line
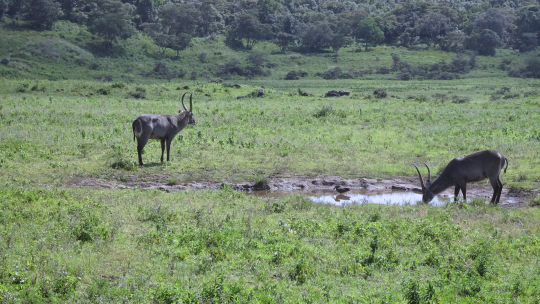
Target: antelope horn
191 102
429 173
183 105
420 176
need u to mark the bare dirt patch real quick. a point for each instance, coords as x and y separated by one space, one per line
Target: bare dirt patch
510 197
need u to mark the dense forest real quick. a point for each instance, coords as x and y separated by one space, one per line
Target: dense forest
301 25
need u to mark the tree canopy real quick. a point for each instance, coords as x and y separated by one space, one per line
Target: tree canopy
303 25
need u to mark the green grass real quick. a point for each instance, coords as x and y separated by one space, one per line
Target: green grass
214 247
62 120
56 130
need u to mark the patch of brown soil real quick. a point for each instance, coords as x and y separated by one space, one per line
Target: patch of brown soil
510 197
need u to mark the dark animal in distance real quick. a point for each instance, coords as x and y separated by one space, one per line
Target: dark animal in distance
461 170
162 127
340 189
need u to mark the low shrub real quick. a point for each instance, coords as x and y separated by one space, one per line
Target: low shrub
295 75
531 69
139 93
379 93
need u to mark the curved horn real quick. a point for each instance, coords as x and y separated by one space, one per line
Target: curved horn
428 172
420 175
183 105
191 102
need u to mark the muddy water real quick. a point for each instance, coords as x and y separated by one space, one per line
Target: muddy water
392 198
366 197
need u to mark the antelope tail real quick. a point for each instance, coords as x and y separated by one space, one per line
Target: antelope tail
506 160
137 128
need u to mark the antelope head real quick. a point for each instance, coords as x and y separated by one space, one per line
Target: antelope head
189 113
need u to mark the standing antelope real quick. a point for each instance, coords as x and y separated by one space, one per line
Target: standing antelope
162 127
461 170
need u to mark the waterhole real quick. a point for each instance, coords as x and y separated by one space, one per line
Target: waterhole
345 199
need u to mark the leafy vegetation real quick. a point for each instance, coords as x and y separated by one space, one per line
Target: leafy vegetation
223 246
69 93
305 26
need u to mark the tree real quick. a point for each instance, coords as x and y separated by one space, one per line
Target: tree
527 32
267 10
146 11
433 27
3 8
369 32
246 27
285 31
112 20
484 42
41 14
494 20
176 26
453 41
317 37
284 40
212 19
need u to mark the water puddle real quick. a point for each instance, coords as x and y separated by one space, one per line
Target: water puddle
368 197
392 198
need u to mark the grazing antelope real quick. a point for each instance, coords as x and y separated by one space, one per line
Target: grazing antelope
162 127
461 170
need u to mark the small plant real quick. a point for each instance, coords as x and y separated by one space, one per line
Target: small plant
460 99
325 111
535 202
300 272
276 206
203 57
300 203
333 73
172 182
102 91
139 93
469 286
411 291
118 85
261 183
22 87
303 93
127 165
36 87
295 75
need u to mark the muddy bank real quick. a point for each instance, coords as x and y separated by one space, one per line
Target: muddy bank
298 184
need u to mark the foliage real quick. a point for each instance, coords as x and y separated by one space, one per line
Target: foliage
531 69
84 245
333 24
41 14
246 27
368 31
484 42
112 20
527 32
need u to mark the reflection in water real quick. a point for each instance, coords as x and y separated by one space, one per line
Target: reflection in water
342 197
367 197
392 198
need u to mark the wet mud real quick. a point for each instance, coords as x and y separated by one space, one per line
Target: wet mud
309 186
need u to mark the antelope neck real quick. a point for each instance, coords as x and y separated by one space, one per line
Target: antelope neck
439 185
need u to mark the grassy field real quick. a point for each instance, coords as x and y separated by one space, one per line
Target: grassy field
134 246
60 129
63 118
